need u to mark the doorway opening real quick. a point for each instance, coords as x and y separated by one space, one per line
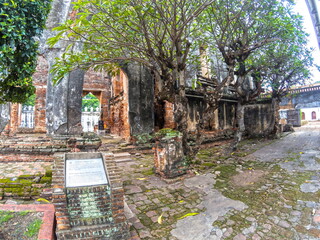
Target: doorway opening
91 111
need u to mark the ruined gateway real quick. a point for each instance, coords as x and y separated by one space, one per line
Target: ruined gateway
127 107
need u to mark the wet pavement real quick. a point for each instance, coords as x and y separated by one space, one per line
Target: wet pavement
268 189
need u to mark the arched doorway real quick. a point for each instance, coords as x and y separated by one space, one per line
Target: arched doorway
27 113
90 115
303 116
314 115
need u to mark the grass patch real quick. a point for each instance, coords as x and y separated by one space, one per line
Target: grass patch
5 216
148 172
24 213
33 228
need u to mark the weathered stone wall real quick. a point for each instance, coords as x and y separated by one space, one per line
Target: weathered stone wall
4 115
140 95
63 101
169 115
258 118
194 112
226 114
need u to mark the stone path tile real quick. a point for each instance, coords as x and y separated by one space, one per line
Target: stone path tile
233 195
15 169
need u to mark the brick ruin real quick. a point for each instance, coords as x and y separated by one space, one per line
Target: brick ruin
126 100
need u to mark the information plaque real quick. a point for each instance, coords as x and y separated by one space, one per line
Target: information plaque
85 172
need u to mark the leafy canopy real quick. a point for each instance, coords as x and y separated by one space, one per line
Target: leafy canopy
244 32
20 22
157 34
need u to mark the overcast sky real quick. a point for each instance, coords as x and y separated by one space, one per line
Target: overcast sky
302 9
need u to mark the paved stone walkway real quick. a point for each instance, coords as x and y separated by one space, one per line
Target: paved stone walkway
268 189
15 169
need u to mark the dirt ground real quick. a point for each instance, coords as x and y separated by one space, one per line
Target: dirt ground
16 225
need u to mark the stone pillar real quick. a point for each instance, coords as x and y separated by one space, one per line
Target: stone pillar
63 110
40 110
64 105
169 159
4 115
141 98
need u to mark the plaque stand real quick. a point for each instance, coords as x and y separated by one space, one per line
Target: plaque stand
88 198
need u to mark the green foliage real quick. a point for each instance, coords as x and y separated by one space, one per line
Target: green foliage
158 35
245 32
5 216
20 22
167 133
31 100
33 228
24 213
90 101
143 138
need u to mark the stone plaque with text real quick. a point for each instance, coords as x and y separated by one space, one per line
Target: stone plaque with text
85 172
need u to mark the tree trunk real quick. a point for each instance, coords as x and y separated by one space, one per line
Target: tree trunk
276 117
181 112
240 125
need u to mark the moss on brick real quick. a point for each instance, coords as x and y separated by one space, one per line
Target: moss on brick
16 191
13 184
46 180
26 182
35 192
48 173
26 176
5 180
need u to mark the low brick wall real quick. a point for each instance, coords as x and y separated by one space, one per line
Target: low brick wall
46 231
31 144
169 159
26 186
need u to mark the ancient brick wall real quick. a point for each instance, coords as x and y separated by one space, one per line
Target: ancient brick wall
119 106
98 83
40 82
169 115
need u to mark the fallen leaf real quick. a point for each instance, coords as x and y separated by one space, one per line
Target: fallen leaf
141 178
42 200
160 219
188 214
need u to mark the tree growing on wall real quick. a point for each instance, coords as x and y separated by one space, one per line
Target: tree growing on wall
157 34
163 36
238 29
20 22
285 64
